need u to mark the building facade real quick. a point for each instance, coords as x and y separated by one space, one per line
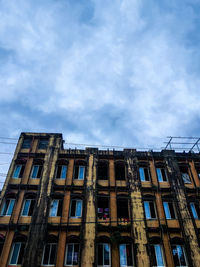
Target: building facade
68 207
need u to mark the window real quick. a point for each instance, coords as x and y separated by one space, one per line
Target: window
126 255
102 171
169 210
43 143
18 171
157 257
8 207
186 178
27 142
144 174
76 208
103 207
103 254
79 172
179 256
119 171
28 207
36 171
149 208
161 174
195 210
17 253
122 209
56 207
72 254
61 172
49 254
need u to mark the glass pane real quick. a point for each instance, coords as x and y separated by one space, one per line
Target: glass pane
52 259
186 178
26 142
46 254
122 250
147 210
194 212
76 253
167 211
142 177
159 174
10 207
129 255
81 173
159 257
32 205
34 171
100 254
63 172
5 207
69 254
181 255
15 253
26 207
106 254
17 171
78 208
21 254
54 206
153 256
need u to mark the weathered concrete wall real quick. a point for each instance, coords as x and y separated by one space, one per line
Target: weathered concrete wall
138 224
187 224
88 254
38 228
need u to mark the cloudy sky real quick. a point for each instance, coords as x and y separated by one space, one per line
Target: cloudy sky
121 72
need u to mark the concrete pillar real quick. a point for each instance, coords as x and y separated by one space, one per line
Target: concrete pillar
167 250
17 210
115 255
186 222
137 211
70 172
27 171
61 249
112 172
6 251
66 205
113 208
153 173
88 256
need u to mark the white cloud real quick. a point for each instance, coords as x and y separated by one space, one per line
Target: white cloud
118 72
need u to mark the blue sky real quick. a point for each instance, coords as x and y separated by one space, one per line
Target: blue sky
101 72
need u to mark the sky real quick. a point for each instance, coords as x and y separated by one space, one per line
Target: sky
121 72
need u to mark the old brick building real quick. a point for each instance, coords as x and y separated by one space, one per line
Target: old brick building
69 207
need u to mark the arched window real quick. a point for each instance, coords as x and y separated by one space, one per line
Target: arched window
156 252
56 205
17 250
103 207
79 170
123 208
8 204
102 170
50 251
28 205
178 252
119 171
126 252
103 251
72 253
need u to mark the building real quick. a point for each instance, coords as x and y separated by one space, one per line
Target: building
69 207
